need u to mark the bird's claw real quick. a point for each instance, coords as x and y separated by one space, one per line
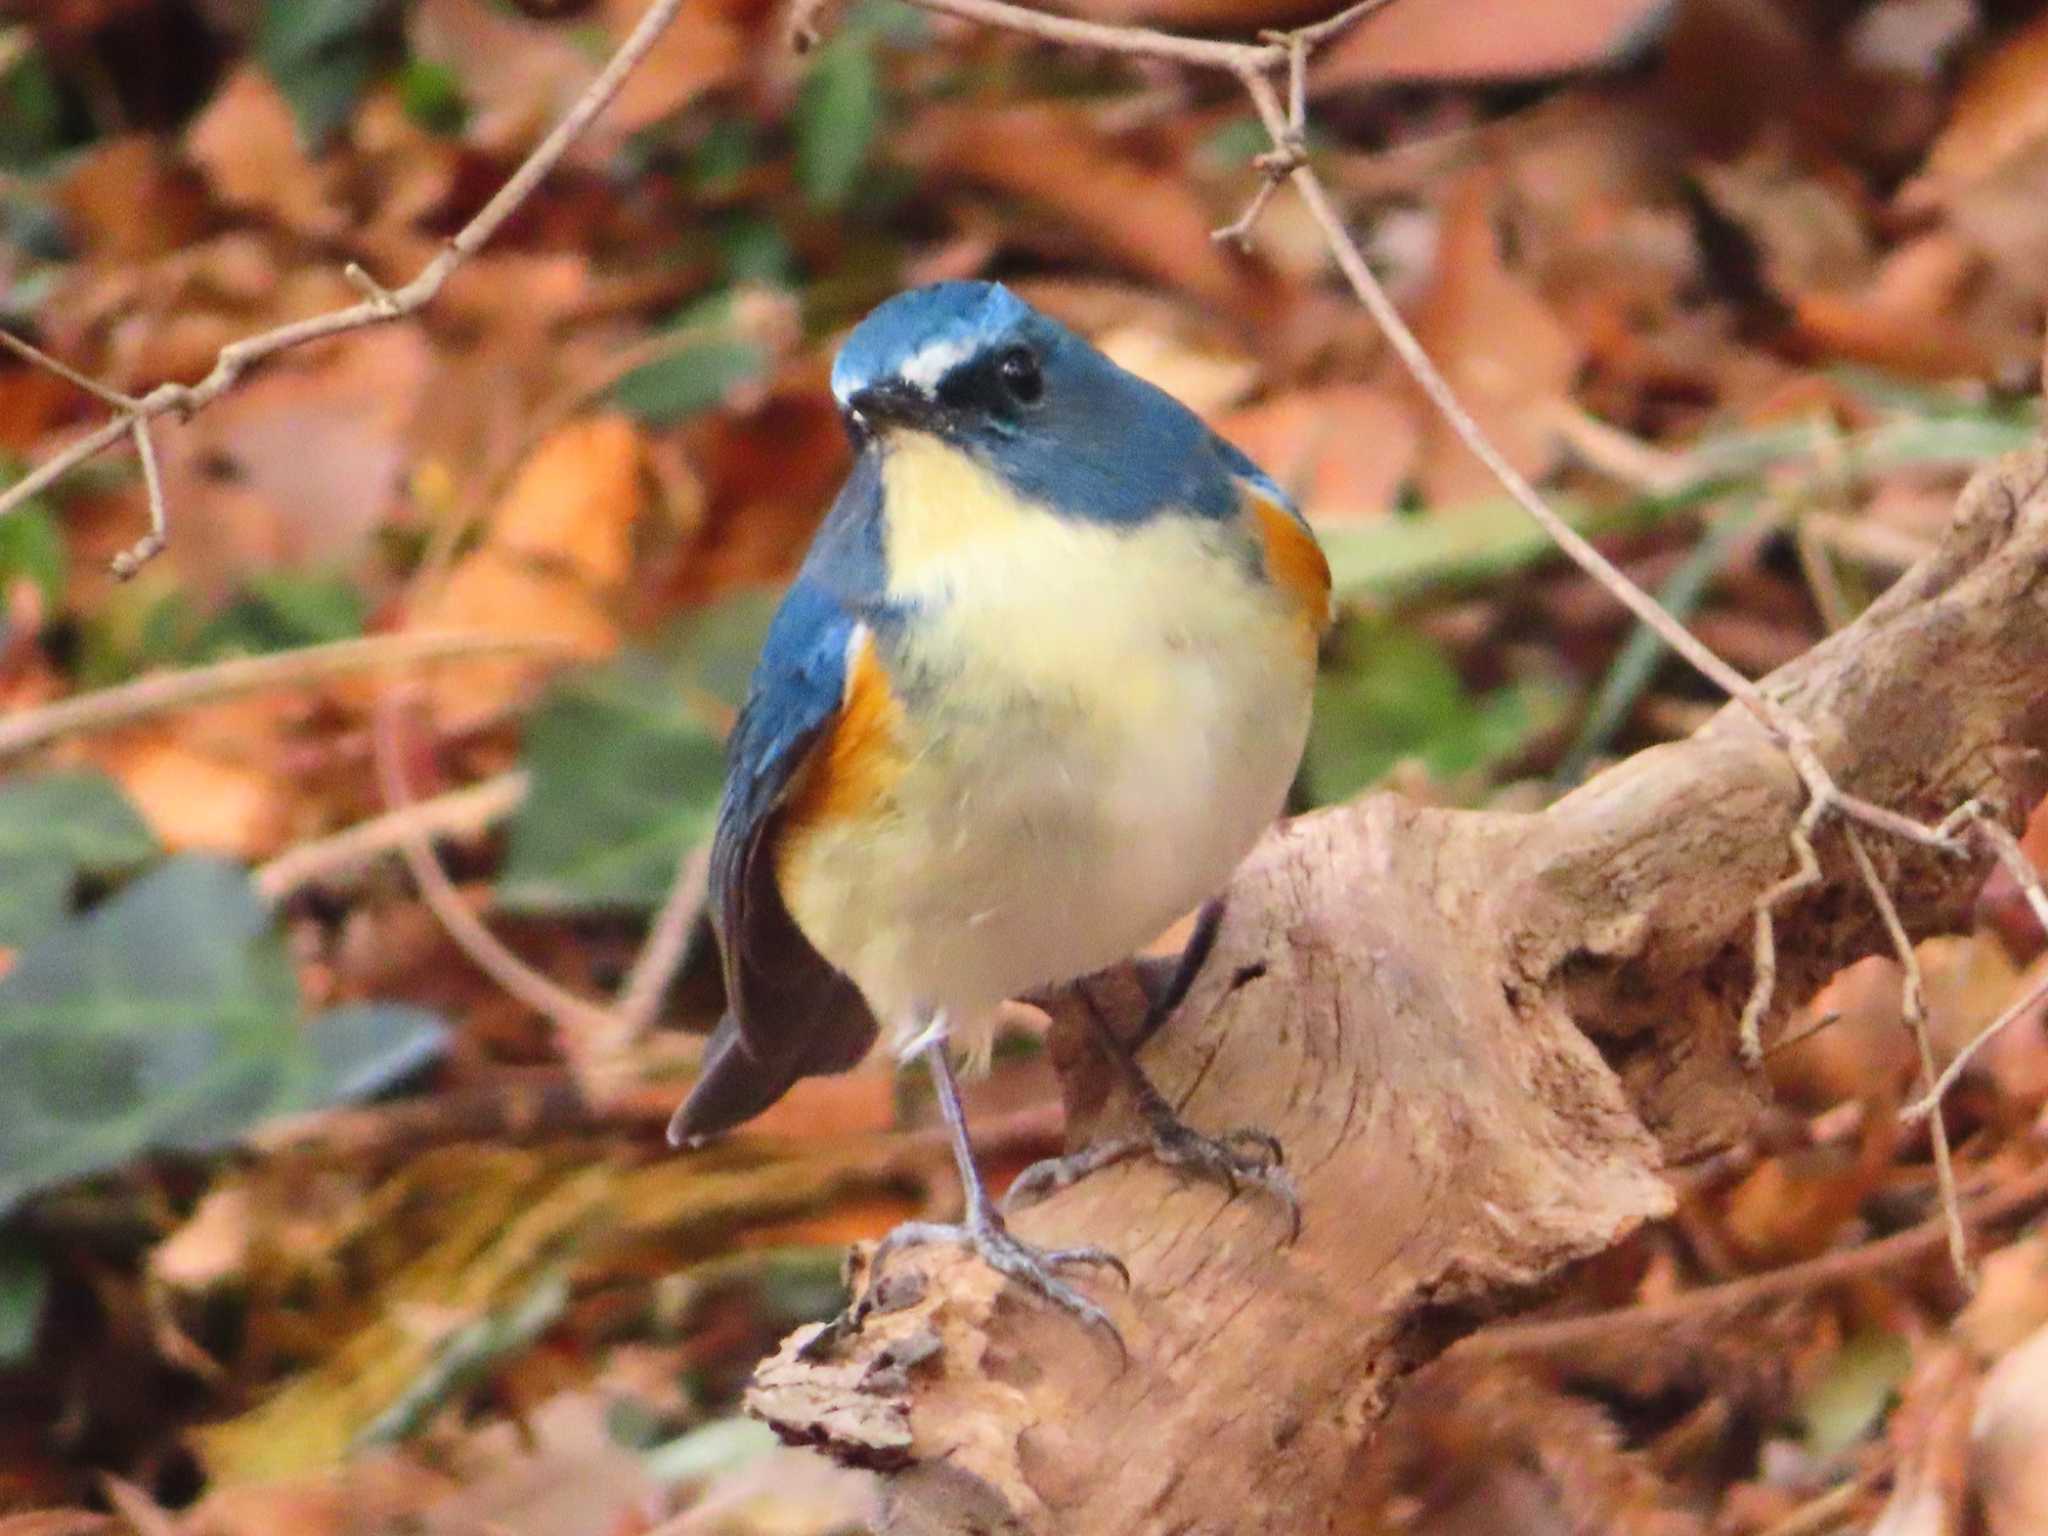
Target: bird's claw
1005 1253
1233 1159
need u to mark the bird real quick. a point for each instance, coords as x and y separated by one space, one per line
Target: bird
1041 681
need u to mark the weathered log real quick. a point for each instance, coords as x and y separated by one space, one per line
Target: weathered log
1482 1038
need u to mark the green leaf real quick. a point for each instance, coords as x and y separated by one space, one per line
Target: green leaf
54 828
321 53
431 94
626 764
167 1018
837 114
696 377
24 1283
1391 694
282 611
1853 1394
365 1048
32 548
31 114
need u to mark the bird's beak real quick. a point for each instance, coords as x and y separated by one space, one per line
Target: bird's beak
891 403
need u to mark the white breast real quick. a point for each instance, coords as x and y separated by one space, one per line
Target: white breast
1108 720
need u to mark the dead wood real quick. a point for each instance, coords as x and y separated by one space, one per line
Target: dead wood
1482 1038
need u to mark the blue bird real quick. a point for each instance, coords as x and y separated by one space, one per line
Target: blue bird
1042 681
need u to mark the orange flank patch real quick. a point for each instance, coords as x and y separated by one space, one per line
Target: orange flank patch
853 769
1294 560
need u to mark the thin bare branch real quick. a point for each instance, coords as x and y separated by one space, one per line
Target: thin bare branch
2015 1200
1764 946
130 560
63 370
2006 849
584 1029
459 813
128 702
378 307
1913 1007
667 945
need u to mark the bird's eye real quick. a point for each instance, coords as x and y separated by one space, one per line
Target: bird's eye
1018 370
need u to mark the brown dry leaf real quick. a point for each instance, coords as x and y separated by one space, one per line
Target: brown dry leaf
520 73
1135 212
247 145
554 554
1488 40
2009 1441
373 1496
703 48
1906 318
196 799
575 502
124 201
1343 451
1203 379
311 453
1929 1437
1501 347
1790 1208
1808 228
2000 113
2011 1303
213 1245
60 1522
557 1473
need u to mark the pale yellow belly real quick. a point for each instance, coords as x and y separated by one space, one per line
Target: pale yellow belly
1099 771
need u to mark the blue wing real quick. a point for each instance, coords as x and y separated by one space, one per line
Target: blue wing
789 1014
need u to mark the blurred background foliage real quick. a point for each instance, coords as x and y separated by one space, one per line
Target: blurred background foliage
304 1218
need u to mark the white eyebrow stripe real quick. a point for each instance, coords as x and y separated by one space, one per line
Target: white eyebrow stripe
933 361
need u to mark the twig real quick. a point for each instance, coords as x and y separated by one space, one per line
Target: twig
460 812
667 945
2020 1007
1764 943
378 307
128 702
63 370
127 562
2006 849
585 1028
1551 1335
1913 1007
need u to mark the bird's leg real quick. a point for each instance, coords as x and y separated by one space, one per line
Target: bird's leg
983 1229
1243 1156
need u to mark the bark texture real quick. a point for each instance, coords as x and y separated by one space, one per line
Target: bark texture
1482 1038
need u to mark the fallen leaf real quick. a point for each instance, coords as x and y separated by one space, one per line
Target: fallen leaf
1343 451
246 143
1204 380
2009 1441
2000 112
127 202
1137 213
555 551
1490 40
312 451
196 800
1505 353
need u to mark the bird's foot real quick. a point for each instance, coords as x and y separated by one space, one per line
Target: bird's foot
1234 1159
1034 1268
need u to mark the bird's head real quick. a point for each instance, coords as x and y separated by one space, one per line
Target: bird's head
974 366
